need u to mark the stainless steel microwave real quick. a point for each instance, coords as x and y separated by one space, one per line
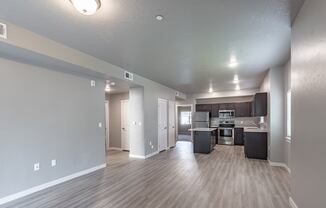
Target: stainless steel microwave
226 114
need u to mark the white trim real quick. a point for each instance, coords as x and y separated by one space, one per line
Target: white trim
137 156
152 154
115 148
143 157
49 184
292 203
277 164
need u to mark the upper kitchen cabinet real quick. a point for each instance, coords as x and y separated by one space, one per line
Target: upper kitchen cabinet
243 109
215 109
259 105
204 108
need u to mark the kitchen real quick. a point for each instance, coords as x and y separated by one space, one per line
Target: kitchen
232 121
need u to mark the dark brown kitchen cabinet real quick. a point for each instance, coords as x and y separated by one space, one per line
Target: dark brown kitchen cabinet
227 106
238 136
255 145
204 108
215 109
243 109
259 105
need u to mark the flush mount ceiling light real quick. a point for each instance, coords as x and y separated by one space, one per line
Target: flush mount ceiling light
86 7
233 62
159 17
236 79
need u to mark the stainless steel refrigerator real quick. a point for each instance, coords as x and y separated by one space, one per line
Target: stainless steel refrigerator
200 120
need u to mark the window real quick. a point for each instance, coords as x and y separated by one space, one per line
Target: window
185 117
288 114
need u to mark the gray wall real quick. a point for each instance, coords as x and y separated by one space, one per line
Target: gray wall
47 115
115 117
274 85
308 150
183 129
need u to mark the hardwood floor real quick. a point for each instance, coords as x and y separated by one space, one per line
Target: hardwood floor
175 178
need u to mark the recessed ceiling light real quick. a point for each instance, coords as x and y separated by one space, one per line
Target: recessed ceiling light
237 87
86 7
236 79
159 17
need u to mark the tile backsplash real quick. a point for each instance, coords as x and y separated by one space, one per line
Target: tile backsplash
244 121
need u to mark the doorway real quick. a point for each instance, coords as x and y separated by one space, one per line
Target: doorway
184 123
162 124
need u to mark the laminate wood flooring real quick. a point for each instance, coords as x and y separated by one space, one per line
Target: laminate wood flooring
174 178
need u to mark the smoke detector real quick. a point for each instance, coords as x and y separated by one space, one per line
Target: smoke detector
3 31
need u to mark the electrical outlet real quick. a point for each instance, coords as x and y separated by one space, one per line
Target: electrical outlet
53 163
36 166
93 83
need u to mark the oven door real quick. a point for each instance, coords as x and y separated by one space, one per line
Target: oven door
226 136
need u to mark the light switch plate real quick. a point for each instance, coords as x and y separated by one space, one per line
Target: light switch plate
36 166
93 83
100 124
53 163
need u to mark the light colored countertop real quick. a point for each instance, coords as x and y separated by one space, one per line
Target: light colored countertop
203 129
254 129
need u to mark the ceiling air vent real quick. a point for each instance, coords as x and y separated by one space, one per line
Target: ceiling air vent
3 31
129 76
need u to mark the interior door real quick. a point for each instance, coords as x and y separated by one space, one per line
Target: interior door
162 124
125 125
172 124
107 127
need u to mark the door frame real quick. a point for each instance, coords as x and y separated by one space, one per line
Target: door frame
107 124
177 116
174 123
121 123
167 123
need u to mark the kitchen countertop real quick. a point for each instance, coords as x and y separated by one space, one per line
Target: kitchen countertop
254 129
203 129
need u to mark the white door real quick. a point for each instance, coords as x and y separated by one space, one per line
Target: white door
107 127
162 124
171 124
125 125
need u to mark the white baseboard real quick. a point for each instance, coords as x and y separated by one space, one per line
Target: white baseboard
137 156
292 203
143 157
115 148
277 164
152 154
48 185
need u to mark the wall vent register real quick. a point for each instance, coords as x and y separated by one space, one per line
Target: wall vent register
3 31
128 76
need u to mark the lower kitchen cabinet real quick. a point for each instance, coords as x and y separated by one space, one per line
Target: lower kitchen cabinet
238 136
255 145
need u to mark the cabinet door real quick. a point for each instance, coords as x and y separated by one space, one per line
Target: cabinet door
260 104
204 108
223 106
238 136
215 109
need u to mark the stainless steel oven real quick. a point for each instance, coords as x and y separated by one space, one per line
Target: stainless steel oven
226 135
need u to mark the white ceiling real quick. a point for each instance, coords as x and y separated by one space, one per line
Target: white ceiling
189 50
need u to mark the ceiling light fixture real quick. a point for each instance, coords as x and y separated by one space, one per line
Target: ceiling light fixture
86 7
236 79
108 86
237 87
233 62
159 17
